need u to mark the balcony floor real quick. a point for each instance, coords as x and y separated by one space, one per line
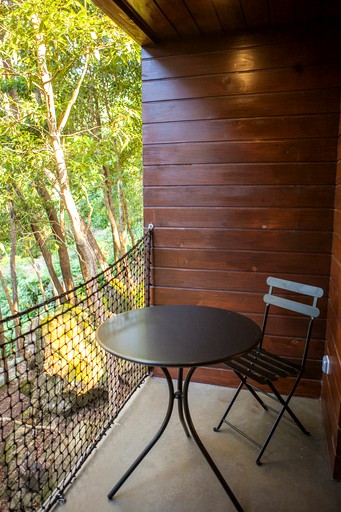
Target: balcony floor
174 476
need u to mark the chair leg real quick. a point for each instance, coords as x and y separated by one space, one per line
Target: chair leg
269 436
282 402
244 378
285 407
257 397
217 428
243 381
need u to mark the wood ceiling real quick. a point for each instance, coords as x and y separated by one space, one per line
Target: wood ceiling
154 21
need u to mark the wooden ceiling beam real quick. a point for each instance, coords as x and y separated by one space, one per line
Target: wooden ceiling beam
127 19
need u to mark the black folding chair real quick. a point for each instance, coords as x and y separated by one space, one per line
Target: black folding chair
265 368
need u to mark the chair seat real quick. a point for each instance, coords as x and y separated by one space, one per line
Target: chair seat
262 366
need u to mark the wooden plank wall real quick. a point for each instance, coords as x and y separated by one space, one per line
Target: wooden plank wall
331 387
240 146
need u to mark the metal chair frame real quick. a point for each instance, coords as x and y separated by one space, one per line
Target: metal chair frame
265 368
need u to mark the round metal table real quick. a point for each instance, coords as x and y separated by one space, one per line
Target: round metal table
181 337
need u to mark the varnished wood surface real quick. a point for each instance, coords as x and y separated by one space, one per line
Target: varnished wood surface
240 153
266 240
225 280
153 21
294 127
278 173
331 388
232 196
241 218
270 56
269 81
245 106
315 150
254 261
240 149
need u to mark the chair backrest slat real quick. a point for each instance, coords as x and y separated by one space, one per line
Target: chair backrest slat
297 304
292 305
303 289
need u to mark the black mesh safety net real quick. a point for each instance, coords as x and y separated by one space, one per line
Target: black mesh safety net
59 391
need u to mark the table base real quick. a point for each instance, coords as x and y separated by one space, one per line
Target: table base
181 394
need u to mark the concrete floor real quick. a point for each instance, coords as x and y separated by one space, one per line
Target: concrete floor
174 476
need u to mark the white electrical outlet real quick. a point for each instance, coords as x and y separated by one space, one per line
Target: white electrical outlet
326 365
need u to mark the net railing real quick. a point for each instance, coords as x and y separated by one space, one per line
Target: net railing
59 391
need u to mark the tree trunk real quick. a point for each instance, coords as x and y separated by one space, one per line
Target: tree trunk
95 247
12 108
126 217
14 305
47 258
123 231
7 294
119 243
15 296
107 191
59 236
40 281
3 353
44 250
19 344
123 212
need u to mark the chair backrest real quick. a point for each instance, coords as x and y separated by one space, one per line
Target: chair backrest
296 304
292 305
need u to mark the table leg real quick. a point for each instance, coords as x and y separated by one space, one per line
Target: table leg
179 396
155 438
202 447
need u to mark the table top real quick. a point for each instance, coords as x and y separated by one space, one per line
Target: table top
178 336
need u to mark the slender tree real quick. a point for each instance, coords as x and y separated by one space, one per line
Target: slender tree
58 234
3 351
86 254
70 128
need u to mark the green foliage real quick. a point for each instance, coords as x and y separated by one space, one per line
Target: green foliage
103 128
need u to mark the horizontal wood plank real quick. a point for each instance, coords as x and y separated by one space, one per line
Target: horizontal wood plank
250 82
246 59
310 219
302 150
247 239
245 303
237 106
248 195
239 281
279 173
270 128
256 261
294 346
